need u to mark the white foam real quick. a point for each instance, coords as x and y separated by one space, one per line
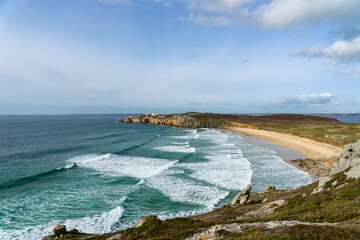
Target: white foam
193 131
192 136
176 148
180 143
187 190
272 168
100 223
97 224
226 166
69 166
114 165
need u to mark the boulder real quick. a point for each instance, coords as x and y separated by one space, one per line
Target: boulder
130 119
270 188
241 198
115 237
145 120
120 120
146 219
60 229
350 159
74 231
264 210
321 185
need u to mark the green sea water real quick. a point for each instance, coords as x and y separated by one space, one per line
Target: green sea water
94 174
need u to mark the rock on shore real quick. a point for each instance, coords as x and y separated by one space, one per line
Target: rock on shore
242 197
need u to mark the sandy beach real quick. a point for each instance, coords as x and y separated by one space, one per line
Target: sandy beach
310 148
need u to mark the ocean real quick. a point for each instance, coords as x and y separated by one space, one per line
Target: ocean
94 174
348 119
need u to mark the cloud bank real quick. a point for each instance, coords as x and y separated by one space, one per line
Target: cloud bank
306 100
339 54
276 14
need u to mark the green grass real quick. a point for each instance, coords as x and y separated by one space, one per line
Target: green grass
177 228
332 205
337 134
322 129
299 232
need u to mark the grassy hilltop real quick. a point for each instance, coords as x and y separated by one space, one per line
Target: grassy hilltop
322 129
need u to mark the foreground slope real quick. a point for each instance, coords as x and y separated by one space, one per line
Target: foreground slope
327 209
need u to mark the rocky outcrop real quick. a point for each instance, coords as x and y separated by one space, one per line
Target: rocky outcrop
145 220
349 160
115 237
321 185
74 231
270 188
317 167
264 210
241 198
211 233
60 229
184 120
120 120
145 120
129 119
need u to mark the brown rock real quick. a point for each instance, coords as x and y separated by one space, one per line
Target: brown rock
60 229
130 119
242 197
145 120
120 120
270 188
146 219
74 231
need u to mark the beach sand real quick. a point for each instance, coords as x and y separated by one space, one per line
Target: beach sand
308 155
310 148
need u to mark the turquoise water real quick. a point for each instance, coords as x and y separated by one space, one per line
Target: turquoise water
91 173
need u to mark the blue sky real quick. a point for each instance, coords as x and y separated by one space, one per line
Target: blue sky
233 56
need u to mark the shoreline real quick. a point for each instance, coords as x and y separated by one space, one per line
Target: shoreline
288 155
310 156
310 148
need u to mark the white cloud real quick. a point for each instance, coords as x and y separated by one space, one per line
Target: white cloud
289 13
276 13
340 53
201 20
306 100
216 6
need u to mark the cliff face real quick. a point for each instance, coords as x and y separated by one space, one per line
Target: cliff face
349 161
213 120
186 120
175 120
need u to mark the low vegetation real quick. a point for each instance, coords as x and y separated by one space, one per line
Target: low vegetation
337 204
322 129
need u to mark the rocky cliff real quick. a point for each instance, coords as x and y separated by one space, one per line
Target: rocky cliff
349 161
185 120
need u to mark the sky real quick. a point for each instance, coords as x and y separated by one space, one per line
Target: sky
163 56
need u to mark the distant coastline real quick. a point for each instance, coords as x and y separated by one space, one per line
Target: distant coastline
319 154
